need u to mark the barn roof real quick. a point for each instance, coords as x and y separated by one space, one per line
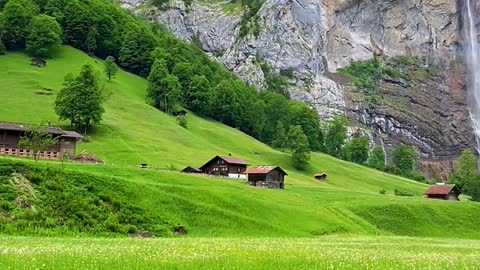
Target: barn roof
191 169
229 160
50 130
72 134
320 174
264 170
441 189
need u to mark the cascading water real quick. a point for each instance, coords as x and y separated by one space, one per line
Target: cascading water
472 51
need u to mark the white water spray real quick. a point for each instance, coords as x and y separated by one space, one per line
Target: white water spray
473 66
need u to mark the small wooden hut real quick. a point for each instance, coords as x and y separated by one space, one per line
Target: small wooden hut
267 176
444 192
190 169
320 176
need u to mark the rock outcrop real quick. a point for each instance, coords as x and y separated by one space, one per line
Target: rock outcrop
313 39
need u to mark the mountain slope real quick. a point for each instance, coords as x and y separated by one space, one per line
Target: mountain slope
133 132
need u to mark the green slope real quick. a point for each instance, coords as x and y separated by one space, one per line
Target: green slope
133 133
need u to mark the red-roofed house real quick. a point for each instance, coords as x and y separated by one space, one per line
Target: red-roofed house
267 176
444 192
226 166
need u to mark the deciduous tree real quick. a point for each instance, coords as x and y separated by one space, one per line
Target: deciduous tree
281 140
37 139
198 95
357 150
298 143
377 159
17 15
405 158
336 136
44 36
81 99
111 68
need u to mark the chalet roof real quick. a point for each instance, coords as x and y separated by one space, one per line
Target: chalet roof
441 190
264 170
228 160
50 130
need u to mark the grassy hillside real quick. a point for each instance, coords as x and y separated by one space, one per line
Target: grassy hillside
133 133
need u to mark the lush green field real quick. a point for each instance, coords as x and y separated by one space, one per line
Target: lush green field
133 133
332 252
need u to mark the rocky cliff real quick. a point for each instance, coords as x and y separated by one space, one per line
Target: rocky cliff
312 39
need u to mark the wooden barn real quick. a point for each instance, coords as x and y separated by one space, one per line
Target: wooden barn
267 176
320 176
444 192
10 135
225 166
190 169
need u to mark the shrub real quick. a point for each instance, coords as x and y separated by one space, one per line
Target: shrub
402 193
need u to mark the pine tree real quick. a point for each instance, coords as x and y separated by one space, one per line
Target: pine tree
45 35
111 68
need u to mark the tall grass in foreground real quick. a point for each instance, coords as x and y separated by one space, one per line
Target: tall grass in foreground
332 252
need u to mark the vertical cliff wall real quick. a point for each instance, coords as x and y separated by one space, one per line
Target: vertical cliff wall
312 39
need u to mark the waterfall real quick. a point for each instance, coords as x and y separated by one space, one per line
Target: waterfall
382 144
473 66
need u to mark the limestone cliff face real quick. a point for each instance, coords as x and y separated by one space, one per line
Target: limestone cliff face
314 38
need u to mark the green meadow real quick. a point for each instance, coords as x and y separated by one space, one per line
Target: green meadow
343 223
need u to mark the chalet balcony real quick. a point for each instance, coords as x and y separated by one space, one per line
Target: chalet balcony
25 153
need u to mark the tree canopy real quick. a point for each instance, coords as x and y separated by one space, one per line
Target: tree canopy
81 99
44 36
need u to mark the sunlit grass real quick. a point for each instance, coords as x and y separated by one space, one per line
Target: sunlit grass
333 252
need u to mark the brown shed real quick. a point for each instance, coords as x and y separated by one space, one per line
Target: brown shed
190 169
320 176
225 166
267 176
444 192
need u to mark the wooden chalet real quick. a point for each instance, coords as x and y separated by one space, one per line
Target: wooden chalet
320 176
444 192
10 135
225 166
267 176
